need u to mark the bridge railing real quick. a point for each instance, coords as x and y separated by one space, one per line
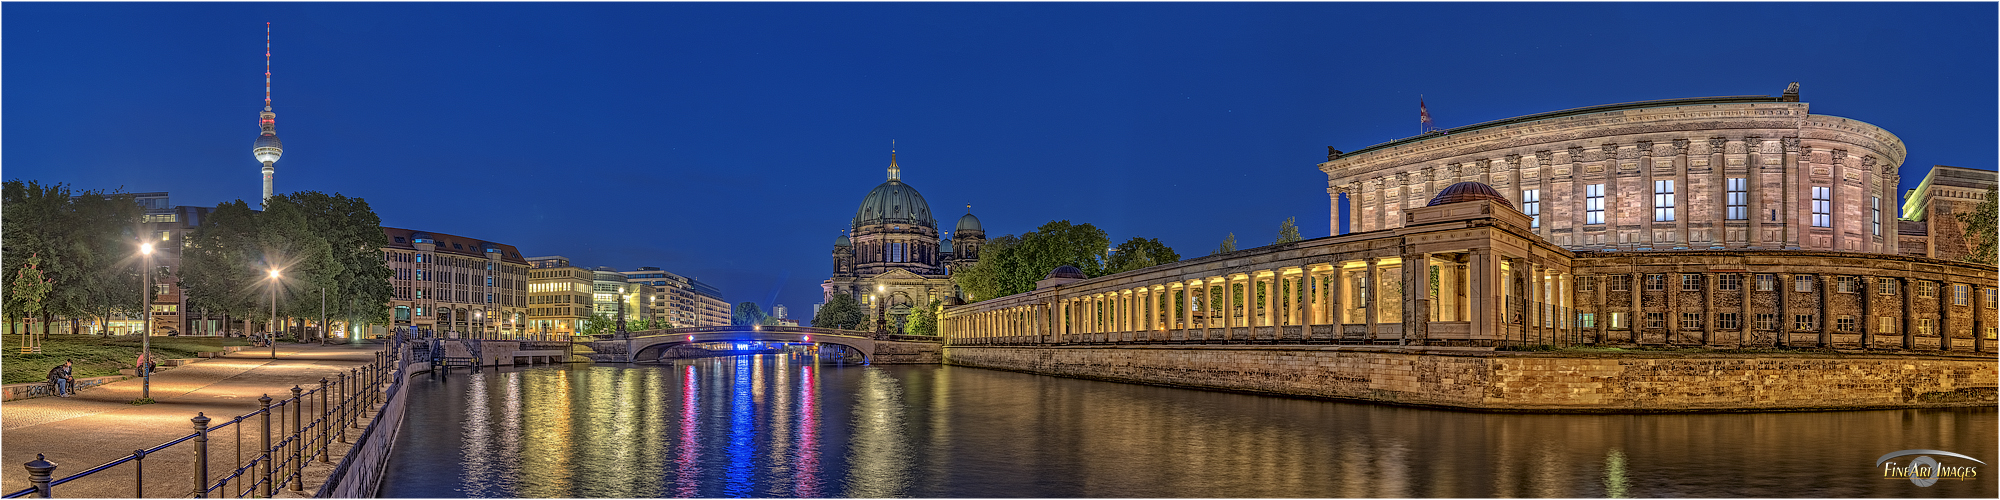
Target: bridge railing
806 330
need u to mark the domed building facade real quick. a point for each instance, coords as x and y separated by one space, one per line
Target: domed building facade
894 258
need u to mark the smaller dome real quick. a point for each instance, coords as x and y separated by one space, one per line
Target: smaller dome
1466 191
944 246
968 223
842 241
1066 271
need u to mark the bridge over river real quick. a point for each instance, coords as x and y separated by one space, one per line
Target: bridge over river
648 345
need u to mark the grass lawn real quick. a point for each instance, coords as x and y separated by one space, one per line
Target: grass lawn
95 356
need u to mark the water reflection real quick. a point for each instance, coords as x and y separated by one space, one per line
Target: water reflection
780 425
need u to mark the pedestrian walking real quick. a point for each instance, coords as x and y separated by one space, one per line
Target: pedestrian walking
63 377
145 364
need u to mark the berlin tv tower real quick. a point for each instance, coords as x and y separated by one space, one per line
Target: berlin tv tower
267 149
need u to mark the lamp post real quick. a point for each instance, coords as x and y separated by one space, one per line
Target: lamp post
881 311
271 329
621 309
322 315
146 328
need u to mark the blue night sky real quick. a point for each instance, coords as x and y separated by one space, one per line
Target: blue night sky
732 142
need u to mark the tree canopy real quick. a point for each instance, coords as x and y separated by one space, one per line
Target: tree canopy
841 311
1288 231
923 320
746 314
1009 265
1981 229
1141 253
85 246
1228 245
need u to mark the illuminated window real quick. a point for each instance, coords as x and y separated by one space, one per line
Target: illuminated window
1663 201
1586 320
1802 283
1617 320
1886 326
1531 204
1593 204
1822 207
1926 290
1738 198
1767 282
1992 299
1730 282
1728 321
1805 322
1959 294
1926 326
1845 323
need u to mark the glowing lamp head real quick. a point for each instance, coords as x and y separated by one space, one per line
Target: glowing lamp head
274 274
146 249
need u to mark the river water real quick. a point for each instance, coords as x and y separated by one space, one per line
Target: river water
781 425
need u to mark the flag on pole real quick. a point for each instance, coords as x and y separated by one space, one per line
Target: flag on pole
1424 124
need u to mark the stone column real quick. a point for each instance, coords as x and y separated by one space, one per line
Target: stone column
1979 324
1480 294
1599 300
1228 307
1683 193
1747 322
1644 153
1417 289
1718 214
1335 310
1834 199
1753 179
1637 316
1785 309
1944 315
1373 300
1708 285
1868 320
1909 293
1673 282
1869 239
1333 212
1789 214
1825 309
1890 191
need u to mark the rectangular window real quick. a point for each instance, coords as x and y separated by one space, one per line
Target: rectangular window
1656 320
1802 283
420 294
1361 289
1690 321
489 281
403 312
1531 204
1959 294
1586 320
1926 290
1593 204
1728 321
420 311
1992 299
1617 320
1738 198
1690 282
1887 326
1767 321
1925 326
1767 282
1730 283
1845 323
1656 282
1805 322
1848 284
1620 282
1875 204
1586 283
1663 201
1822 207
1886 286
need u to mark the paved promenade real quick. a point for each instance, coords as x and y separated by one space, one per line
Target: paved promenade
99 424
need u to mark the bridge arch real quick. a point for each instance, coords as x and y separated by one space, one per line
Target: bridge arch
648 344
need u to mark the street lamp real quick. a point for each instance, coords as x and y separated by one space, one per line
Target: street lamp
146 328
270 329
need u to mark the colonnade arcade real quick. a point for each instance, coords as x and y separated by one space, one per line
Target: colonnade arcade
1477 285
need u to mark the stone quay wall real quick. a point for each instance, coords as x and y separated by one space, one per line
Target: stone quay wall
1481 379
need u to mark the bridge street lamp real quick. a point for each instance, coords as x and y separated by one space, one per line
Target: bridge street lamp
270 329
146 328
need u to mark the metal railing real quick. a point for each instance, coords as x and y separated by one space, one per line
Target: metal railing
336 406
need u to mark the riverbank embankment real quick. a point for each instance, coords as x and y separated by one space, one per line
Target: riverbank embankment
1555 382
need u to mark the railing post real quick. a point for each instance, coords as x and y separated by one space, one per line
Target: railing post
268 472
39 471
340 418
298 442
354 399
325 417
200 455
138 473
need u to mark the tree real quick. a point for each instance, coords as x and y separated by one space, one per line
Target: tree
86 243
1141 253
360 291
746 314
1288 231
1014 264
598 324
1228 245
219 263
1982 230
840 312
923 320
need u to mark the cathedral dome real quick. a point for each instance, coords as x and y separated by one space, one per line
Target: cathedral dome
944 246
894 202
1466 191
842 241
969 223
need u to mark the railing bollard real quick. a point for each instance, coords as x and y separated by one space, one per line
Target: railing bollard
325 417
39 471
138 473
200 455
268 473
298 442
354 415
